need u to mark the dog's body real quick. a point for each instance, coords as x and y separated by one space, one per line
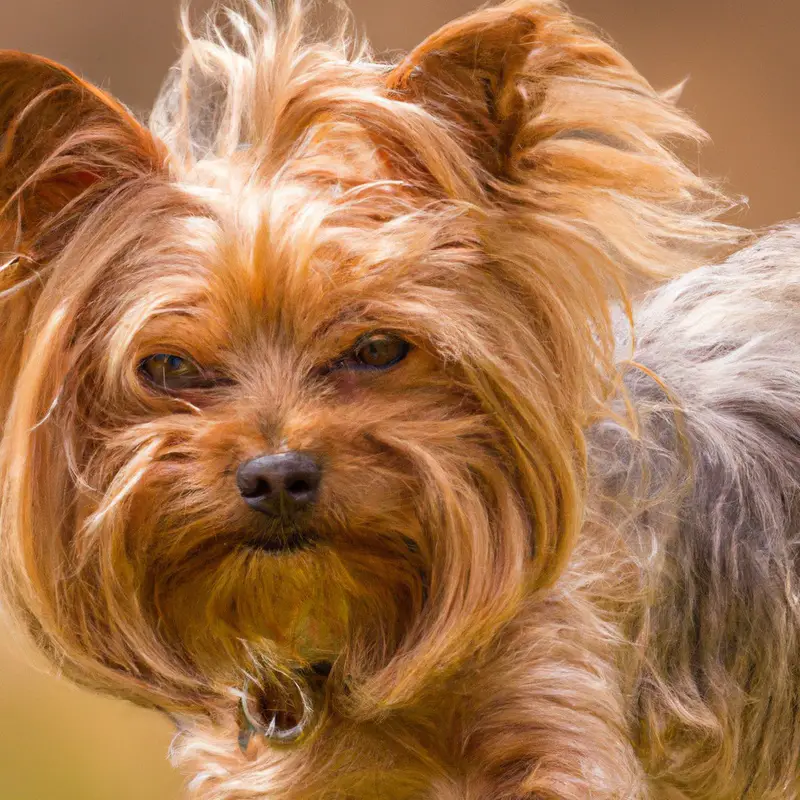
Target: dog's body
718 631
321 432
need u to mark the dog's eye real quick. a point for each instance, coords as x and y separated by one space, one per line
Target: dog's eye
167 371
380 350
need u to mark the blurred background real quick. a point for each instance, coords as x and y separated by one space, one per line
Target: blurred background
59 743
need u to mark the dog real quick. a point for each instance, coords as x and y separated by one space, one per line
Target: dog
403 430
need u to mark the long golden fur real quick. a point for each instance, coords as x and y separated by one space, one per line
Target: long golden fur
491 583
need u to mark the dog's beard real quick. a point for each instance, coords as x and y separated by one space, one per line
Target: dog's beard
380 591
233 599
231 605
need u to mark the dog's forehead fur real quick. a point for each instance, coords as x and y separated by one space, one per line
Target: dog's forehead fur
343 223
293 263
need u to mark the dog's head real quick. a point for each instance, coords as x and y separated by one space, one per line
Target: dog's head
298 374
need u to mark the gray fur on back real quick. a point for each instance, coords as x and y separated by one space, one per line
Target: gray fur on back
719 686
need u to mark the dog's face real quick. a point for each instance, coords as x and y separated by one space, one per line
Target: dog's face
300 376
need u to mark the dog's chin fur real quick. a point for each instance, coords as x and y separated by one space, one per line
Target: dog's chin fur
547 560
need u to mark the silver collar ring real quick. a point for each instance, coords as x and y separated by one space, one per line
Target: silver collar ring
272 732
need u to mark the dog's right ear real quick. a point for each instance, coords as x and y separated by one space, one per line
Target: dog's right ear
63 145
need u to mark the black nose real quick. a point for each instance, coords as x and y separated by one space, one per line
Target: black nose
279 484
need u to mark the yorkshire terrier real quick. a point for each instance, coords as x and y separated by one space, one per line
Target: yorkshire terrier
403 430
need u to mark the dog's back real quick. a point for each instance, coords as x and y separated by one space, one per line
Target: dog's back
715 381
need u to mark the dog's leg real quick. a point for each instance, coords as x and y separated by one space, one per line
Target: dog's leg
550 723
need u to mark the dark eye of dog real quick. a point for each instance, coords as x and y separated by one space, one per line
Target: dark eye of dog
380 350
167 371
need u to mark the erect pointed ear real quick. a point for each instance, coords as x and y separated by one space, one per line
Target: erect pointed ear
555 118
62 142
526 71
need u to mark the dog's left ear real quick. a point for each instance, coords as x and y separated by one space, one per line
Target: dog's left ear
62 141
556 121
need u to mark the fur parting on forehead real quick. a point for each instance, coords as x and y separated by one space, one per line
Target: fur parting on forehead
288 237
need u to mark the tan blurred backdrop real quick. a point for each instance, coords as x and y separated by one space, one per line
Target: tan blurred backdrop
58 743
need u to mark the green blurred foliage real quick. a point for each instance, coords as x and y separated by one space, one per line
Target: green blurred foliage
58 742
